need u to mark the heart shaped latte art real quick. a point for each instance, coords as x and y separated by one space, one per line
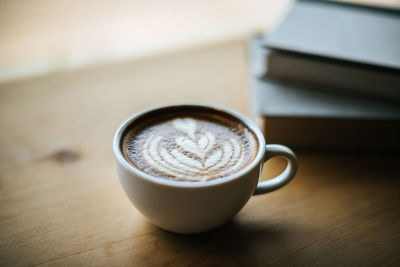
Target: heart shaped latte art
195 155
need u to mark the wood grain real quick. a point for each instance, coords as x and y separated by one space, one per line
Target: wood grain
61 202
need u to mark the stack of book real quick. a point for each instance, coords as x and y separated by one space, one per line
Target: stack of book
328 77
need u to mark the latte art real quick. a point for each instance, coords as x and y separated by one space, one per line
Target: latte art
195 157
190 149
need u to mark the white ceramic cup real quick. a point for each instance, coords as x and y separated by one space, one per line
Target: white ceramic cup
195 207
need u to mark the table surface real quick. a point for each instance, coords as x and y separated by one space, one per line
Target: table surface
61 202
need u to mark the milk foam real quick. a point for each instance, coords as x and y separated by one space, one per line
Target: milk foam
190 149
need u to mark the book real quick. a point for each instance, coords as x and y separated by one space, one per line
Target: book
342 46
333 75
302 117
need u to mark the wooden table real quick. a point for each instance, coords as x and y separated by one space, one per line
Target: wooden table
61 202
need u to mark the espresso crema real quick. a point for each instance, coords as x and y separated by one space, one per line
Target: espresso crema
187 147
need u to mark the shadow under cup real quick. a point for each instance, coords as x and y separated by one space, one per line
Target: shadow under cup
181 206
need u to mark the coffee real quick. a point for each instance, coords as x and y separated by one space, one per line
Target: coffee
189 145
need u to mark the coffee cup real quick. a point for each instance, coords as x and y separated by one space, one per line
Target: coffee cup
190 168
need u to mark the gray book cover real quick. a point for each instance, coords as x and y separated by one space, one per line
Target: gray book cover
346 32
283 99
305 118
333 75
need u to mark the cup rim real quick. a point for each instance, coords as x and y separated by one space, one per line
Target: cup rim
118 154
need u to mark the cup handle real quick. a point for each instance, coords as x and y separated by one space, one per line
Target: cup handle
286 176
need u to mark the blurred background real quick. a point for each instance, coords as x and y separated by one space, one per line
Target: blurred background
42 36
